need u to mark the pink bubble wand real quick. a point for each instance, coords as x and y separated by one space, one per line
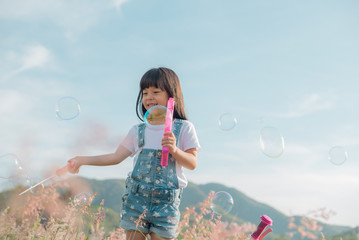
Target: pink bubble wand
59 172
168 126
257 235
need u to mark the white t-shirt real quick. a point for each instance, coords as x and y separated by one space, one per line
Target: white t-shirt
153 135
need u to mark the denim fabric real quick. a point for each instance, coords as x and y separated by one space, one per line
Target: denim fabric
154 189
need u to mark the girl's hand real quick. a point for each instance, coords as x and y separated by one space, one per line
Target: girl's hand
169 140
74 165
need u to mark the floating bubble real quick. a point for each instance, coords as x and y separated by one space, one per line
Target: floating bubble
83 198
271 142
30 182
338 155
67 108
222 203
10 166
156 115
227 121
11 172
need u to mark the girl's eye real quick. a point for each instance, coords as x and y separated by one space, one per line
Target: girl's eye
144 93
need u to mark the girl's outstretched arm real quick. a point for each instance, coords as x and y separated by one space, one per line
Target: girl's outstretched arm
187 159
102 160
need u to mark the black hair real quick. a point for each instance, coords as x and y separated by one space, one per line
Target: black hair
167 80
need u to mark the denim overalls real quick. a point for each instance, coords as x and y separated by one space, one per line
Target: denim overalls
154 189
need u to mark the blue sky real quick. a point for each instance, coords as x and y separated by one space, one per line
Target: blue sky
291 65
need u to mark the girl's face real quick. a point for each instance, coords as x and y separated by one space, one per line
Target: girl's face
154 96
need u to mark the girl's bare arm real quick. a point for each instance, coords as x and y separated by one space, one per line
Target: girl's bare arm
101 160
187 159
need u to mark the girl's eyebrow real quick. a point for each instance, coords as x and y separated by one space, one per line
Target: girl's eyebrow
154 88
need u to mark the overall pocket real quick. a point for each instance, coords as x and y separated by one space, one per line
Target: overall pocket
143 165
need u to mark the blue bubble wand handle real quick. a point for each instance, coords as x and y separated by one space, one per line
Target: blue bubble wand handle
168 126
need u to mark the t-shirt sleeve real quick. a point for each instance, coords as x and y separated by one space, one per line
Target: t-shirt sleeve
188 137
130 142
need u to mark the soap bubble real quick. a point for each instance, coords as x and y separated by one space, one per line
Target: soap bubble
83 198
338 155
67 108
227 121
271 142
222 203
11 172
9 166
156 115
31 181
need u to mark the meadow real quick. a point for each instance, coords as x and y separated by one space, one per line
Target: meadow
55 215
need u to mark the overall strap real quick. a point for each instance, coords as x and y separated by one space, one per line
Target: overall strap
141 135
177 129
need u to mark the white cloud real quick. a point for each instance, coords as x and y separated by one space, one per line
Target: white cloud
14 109
310 104
297 149
35 56
75 17
34 9
119 3
9 100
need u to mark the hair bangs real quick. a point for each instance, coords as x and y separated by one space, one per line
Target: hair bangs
152 79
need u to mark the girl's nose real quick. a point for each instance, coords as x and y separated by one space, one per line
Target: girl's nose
149 96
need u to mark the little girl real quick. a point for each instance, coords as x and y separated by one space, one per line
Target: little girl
150 187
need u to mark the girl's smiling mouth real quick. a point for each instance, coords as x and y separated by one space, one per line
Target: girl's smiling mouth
151 105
